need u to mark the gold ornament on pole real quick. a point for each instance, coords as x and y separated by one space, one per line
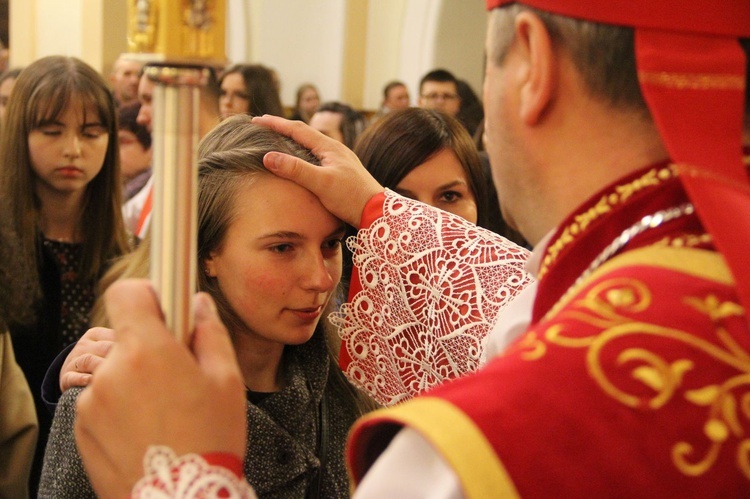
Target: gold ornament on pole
178 30
181 41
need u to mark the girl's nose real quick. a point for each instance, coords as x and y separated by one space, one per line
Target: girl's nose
317 275
73 147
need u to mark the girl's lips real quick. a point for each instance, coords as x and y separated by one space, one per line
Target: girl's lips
70 171
307 314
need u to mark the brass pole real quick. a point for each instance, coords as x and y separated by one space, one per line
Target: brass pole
180 40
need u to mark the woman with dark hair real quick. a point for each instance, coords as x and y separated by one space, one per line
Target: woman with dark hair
425 155
249 89
428 156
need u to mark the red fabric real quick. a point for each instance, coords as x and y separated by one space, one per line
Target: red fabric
372 211
692 74
145 212
584 243
225 460
694 86
728 17
698 109
634 374
558 431
724 209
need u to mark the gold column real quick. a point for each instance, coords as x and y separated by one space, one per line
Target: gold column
180 40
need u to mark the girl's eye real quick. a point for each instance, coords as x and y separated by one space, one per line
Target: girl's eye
450 196
49 129
93 132
281 248
333 244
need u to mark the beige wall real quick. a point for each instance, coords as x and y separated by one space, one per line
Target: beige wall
351 48
354 53
445 34
348 48
385 31
302 40
93 30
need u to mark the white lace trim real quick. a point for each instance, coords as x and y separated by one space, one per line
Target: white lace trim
188 476
432 286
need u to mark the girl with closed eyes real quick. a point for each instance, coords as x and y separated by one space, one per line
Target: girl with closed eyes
61 180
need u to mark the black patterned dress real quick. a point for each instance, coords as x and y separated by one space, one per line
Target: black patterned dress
62 316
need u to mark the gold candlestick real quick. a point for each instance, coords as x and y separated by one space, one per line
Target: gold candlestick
180 40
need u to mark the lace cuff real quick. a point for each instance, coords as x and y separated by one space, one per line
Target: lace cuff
190 476
426 290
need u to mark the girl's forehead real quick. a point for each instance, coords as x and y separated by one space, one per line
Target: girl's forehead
81 107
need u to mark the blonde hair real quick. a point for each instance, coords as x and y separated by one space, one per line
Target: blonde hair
229 157
131 265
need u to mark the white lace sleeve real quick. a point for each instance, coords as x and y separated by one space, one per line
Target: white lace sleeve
430 287
187 477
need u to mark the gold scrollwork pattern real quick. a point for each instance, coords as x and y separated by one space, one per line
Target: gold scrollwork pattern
606 204
610 308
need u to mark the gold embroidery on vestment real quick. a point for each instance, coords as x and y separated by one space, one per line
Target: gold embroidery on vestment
605 205
532 348
610 307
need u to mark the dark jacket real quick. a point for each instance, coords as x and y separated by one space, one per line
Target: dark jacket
283 436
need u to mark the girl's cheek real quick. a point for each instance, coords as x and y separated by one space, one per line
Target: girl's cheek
270 283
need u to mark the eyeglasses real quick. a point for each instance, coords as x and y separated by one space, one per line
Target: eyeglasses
435 96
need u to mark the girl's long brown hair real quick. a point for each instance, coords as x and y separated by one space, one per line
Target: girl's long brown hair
42 92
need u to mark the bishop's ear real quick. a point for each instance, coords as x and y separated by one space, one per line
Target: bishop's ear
541 66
